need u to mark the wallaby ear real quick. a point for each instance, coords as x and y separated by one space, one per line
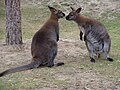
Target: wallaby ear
78 10
51 8
72 8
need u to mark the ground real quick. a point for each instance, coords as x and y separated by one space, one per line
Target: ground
72 76
78 73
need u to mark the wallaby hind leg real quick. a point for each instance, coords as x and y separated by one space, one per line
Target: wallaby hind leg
90 50
92 57
52 56
106 50
106 56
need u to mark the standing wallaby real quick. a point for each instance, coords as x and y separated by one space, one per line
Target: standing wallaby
44 44
95 34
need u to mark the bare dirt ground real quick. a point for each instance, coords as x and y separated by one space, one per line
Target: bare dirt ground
71 52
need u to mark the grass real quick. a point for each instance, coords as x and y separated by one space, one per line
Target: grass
2 19
27 81
32 19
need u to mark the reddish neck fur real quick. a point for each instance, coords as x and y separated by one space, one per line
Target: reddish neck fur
53 20
81 20
53 17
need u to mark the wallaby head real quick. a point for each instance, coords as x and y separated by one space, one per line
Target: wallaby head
56 13
74 14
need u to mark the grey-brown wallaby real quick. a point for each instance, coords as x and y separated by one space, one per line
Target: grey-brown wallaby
96 37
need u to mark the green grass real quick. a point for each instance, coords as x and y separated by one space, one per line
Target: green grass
108 69
44 79
105 68
32 19
2 19
2 9
113 29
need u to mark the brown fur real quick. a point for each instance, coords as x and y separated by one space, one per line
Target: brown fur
44 44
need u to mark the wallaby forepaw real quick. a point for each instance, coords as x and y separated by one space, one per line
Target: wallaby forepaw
81 38
84 38
92 60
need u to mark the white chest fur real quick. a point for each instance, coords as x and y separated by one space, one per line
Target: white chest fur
82 30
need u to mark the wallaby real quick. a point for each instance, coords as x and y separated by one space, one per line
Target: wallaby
96 37
44 44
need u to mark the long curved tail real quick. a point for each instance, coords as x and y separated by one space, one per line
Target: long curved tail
21 68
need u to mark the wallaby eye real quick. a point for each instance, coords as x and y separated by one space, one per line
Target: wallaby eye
54 10
71 14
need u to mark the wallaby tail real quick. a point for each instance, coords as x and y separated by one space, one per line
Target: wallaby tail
21 68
